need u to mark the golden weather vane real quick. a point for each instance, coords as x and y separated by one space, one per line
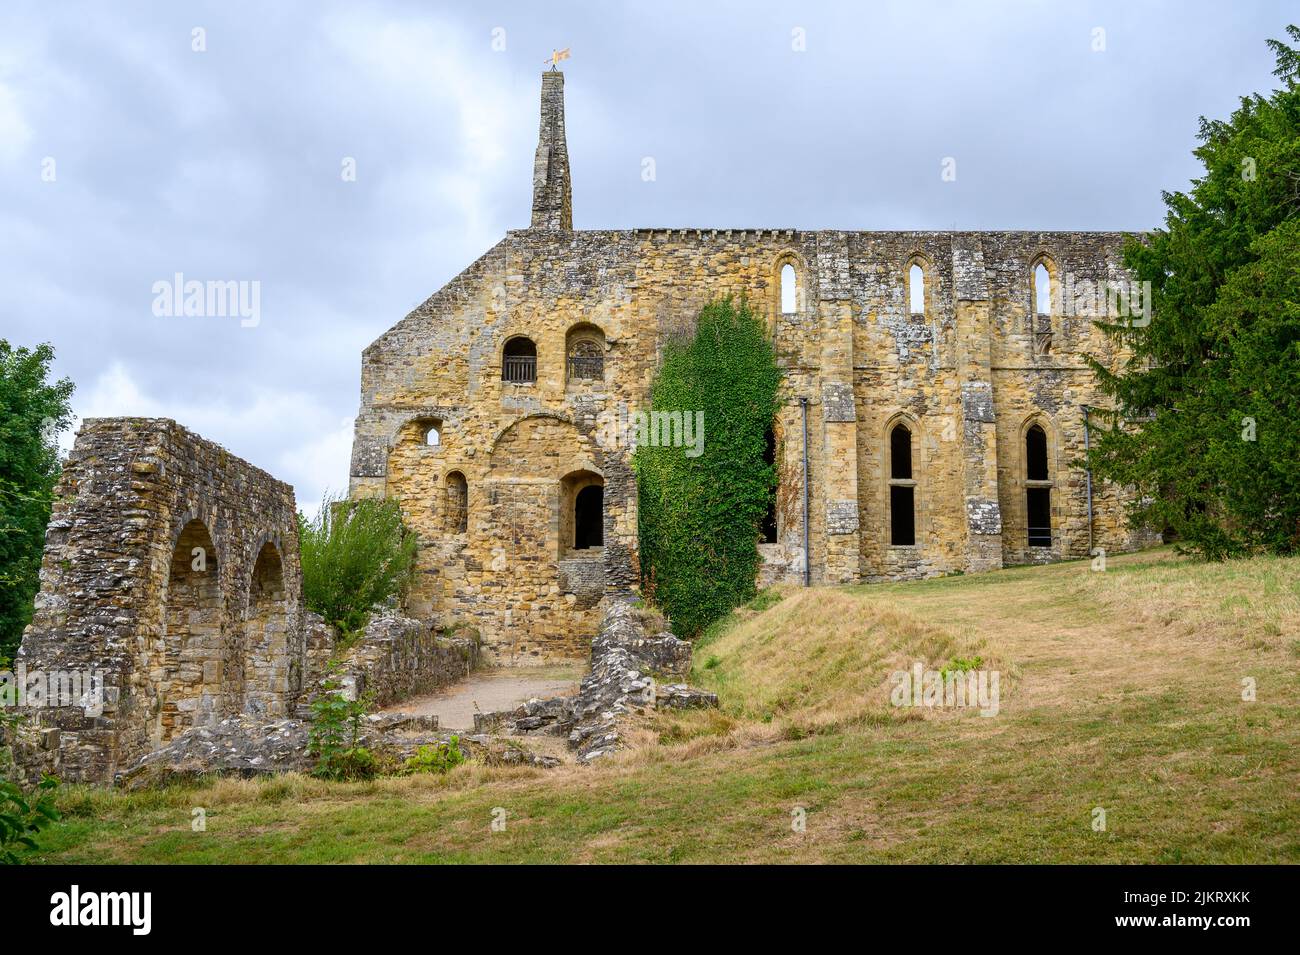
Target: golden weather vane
556 56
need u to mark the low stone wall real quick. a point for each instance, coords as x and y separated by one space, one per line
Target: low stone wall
398 658
632 671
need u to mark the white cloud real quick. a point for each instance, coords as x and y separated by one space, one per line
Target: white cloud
15 133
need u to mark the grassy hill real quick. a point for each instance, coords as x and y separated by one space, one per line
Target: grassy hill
1119 690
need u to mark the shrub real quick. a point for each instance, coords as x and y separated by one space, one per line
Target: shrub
435 758
335 731
699 515
355 555
1206 402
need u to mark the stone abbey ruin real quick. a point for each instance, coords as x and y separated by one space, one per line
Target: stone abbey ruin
935 409
942 428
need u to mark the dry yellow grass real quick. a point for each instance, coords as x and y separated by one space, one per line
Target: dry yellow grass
1120 690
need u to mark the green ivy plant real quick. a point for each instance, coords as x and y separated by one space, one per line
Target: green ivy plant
699 515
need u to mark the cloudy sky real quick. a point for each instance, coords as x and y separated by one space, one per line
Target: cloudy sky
128 156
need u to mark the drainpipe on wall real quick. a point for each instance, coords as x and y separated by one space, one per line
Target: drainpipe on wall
807 555
1087 447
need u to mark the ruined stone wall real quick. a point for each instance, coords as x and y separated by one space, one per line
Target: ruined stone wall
397 658
170 569
963 376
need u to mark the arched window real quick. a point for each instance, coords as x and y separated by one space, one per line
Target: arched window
1038 488
902 488
916 289
585 352
589 517
769 528
789 290
582 512
430 432
457 503
1042 289
519 361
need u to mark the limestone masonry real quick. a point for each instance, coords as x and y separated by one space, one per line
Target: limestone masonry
943 385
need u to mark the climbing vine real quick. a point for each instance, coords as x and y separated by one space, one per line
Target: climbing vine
699 506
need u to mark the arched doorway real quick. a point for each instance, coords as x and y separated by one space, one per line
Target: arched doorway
189 688
266 636
582 513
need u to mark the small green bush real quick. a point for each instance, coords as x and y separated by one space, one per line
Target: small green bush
355 555
335 731
436 758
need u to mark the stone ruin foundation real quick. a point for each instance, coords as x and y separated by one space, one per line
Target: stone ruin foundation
171 595
170 637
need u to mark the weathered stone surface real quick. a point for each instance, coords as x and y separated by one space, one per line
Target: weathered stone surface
236 746
398 657
171 570
966 375
627 667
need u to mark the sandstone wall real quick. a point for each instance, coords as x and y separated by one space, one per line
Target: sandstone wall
171 570
398 657
965 377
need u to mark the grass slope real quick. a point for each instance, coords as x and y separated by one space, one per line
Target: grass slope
1119 690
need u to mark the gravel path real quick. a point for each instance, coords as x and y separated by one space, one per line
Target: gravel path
485 691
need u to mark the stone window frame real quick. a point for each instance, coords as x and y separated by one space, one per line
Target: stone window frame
920 512
1023 483
536 356
579 333
419 428
926 264
462 528
795 260
1041 338
570 484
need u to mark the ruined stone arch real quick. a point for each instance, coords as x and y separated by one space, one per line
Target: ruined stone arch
267 678
1047 262
543 444
902 469
582 513
188 665
456 507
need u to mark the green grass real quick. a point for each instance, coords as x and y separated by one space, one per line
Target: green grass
1121 690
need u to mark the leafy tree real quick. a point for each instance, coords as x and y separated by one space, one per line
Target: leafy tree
33 412
699 514
355 555
1207 419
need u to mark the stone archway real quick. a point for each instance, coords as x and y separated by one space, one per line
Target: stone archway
190 665
266 637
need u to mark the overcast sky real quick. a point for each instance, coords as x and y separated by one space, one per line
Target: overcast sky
227 163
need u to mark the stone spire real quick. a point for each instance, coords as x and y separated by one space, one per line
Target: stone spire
552 194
